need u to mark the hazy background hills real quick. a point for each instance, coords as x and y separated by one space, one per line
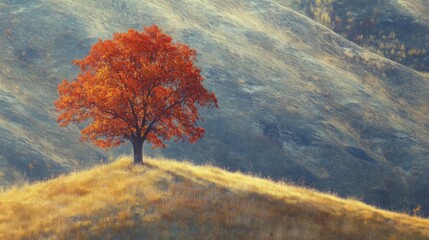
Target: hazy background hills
396 29
297 101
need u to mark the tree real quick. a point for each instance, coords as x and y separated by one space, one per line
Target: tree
139 86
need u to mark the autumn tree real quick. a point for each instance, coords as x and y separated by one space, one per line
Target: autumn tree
137 87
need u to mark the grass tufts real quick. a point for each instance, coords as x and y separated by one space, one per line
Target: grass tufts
165 199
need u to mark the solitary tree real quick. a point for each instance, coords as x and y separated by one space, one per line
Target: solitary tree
139 86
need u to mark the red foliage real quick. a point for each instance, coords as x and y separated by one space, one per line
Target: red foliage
138 86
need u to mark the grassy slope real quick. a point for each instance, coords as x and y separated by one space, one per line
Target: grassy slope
397 30
165 198
297 101
418 8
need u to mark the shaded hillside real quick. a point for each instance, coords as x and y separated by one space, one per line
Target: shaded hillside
396 29
296 100
167 199
35 55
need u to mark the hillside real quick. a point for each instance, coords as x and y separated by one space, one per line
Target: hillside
396 29
297 101
32 62
165 198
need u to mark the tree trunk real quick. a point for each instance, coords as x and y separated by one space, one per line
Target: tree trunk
138 152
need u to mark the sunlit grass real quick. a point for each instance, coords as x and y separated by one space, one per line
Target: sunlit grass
166 199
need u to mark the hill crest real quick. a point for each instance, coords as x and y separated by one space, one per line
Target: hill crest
165 198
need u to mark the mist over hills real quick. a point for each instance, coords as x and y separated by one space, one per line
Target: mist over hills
297 101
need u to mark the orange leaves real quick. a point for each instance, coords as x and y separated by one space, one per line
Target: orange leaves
137 86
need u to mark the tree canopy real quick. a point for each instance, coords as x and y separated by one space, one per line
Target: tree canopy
138 86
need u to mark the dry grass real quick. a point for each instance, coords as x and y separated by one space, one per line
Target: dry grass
418 8
166 199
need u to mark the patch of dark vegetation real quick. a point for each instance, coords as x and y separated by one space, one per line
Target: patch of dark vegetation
27 55
30 162
375 25
380 196
282 133
359 153
303 177
397 153
68 42
420 183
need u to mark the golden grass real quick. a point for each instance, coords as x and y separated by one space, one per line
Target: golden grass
167 199
418 8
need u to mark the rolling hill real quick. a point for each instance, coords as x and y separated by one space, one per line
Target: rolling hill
396 29
297 101
166 199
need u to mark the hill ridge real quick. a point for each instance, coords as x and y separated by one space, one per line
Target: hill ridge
166 198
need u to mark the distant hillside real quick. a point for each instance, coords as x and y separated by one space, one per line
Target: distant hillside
167 199
35 56
396 29
297 101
